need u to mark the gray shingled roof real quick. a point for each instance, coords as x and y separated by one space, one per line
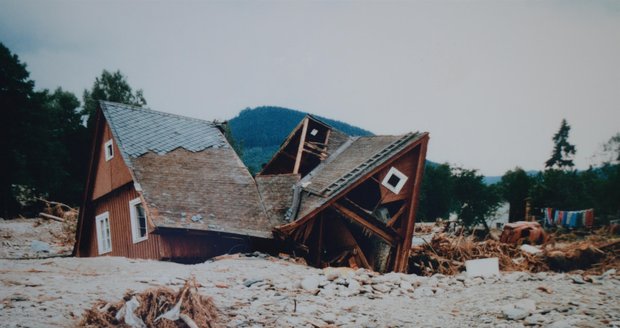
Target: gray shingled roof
350 162
140 130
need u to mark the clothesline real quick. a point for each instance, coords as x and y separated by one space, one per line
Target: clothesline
571 219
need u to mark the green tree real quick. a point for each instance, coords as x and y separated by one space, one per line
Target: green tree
563 151
16 118
515 187
112 87
436 192
474 201
38 131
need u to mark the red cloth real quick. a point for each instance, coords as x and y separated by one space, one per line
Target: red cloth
589 218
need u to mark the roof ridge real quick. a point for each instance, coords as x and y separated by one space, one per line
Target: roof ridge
147 109
370 161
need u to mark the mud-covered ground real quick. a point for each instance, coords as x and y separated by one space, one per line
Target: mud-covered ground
262 291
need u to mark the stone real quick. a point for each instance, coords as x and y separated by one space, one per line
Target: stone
354 286
423 291
578 279
526 304
250 282
310 284
513 313
406 286
534 319
381 288
530 249
39 246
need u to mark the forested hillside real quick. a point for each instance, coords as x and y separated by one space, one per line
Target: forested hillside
260 131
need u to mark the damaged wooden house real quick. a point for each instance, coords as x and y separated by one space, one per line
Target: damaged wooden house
168 187
353 199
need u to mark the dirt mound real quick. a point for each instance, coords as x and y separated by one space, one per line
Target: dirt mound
155 307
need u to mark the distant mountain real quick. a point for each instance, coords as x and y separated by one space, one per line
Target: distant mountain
261 130
495 179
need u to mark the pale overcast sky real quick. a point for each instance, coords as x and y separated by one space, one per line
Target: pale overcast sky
490 80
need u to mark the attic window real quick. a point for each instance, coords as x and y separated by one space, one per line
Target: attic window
109 150
394 180
139 229
314 132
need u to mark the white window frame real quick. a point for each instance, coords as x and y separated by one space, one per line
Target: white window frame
109 145
135 225
401 183
314 132
102 222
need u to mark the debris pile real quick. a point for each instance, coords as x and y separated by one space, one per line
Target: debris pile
65 214
446 254
155 307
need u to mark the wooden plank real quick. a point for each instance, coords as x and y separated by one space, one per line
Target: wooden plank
302 141
355 217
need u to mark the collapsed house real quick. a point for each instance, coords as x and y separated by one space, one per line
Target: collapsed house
176 190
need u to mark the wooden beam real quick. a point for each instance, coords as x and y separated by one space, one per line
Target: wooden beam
393 220
302 141
365 223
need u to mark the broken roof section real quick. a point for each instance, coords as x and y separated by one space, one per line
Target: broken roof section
353 199
187 172
356 158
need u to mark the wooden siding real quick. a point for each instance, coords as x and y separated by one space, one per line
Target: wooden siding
111 174
117 204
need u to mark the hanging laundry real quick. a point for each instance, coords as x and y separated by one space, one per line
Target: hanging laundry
589 218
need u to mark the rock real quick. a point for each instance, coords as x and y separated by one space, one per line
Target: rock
534 319
530 249
514 277
439 291
310 284
578 279
354 286
39 246
423 291
561 324
513 313
406 286
609 273
526 304
250 282
381 288
329 318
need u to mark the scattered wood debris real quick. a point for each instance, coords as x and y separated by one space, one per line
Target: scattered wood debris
155 307
446 254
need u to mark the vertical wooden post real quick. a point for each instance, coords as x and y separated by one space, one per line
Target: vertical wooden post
402 250
302 141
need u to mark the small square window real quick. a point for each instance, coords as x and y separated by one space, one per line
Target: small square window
394 180
314 132
139 227
109 150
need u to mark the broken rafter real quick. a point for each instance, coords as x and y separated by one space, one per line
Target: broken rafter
300 149
396 216
390 236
